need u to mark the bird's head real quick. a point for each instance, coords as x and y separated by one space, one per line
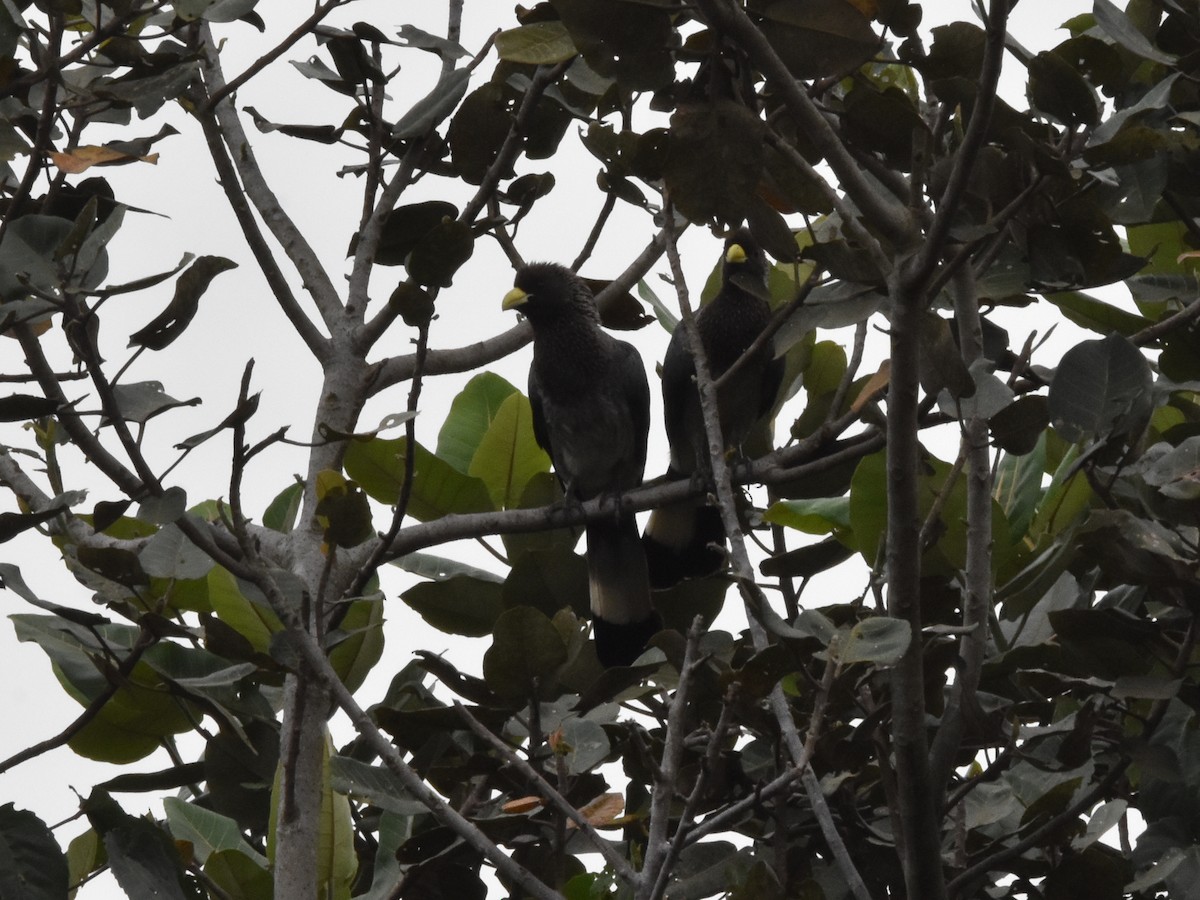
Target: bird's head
545 291
745 263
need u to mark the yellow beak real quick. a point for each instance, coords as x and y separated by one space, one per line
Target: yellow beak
735 254
514 298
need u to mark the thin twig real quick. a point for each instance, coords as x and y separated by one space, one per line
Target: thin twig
367 570
658 846
295 245
303 30
115 682
743 571
538 782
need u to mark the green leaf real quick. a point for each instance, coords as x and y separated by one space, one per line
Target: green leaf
816 38
438 489
1101 387
134 721
85 854
584 745
526 649
440 253
413 303
1118 26
376 785
1018 486
458 605
807 561
622 39
536 44
1096 315
142 401
440 568
23 407
240 876
543 489
169 554
208 832
879 640
548 580
356 654
28 256
478 130
869 512
256 622
432 109
706 138
141 855
1018 427
169 324
405 226
508 455
32 866
411 36
1057 88
345 515
666 316
471 414
280 514
818 516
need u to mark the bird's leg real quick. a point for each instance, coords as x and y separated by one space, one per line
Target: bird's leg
616 496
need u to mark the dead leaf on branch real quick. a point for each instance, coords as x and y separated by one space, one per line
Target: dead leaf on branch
83 158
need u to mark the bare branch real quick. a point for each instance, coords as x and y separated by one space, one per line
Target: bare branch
301 254
303 30
658 846
977 601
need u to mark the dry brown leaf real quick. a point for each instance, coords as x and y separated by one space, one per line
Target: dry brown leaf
874 387
83 158
522 805
869 8
602 811
37 328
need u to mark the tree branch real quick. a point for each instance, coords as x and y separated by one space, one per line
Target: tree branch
658 844
879 207
753 598
302 256
618 863
961 702
227 177
920 832
968 151
463 359
303 30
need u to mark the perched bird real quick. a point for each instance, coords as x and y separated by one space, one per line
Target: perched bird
685 540
591 413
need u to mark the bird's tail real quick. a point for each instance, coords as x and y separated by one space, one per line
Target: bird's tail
683 540
623 617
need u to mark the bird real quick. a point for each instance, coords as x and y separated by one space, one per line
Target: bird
591 413
686 540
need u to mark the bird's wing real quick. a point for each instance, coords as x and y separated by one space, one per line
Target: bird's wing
635 393
540 432
772 380
678 388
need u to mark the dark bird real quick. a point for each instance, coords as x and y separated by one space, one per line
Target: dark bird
591 413
686 540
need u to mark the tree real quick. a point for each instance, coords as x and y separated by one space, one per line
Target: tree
1015 680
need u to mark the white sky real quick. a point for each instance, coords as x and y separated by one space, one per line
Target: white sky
238 321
